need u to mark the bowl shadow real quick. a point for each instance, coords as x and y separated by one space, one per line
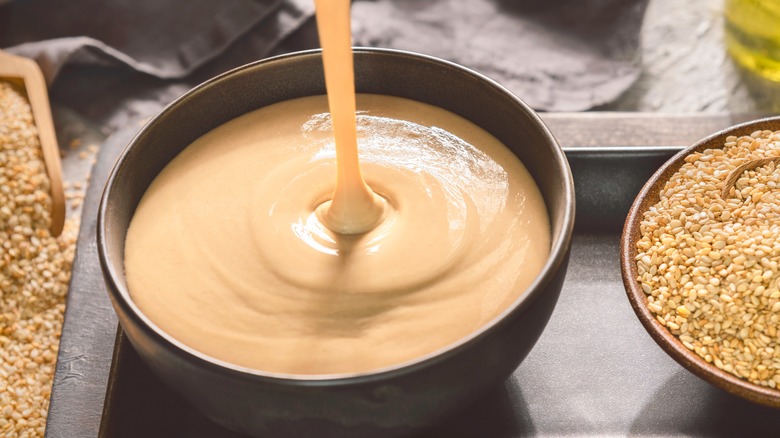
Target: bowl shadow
687 405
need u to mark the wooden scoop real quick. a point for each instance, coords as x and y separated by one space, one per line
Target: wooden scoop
18 69
734 175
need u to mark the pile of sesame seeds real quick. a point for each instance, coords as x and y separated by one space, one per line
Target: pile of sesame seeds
34 273
709 264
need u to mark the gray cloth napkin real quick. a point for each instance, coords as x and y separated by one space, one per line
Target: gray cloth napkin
163 38
556 55
128 58
117 61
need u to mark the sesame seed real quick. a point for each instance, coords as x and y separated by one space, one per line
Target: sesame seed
34 273
722 251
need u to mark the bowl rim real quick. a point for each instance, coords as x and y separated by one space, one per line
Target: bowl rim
556 259
648 196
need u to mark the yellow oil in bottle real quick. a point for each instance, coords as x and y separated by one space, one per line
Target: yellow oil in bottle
753 35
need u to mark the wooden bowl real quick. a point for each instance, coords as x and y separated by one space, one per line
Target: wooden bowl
649 196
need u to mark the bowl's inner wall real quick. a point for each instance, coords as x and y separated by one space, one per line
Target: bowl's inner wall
397 74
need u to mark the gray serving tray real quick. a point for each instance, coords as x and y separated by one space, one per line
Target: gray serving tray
594 371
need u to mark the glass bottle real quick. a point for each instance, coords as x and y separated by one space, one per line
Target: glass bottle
752 32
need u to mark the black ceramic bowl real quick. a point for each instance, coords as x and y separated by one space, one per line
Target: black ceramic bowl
404 398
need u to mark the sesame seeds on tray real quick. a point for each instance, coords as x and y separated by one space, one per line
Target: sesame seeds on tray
34 273
708 263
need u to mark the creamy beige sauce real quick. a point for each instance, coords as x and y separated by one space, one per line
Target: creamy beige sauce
354 208
226 252
246 249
